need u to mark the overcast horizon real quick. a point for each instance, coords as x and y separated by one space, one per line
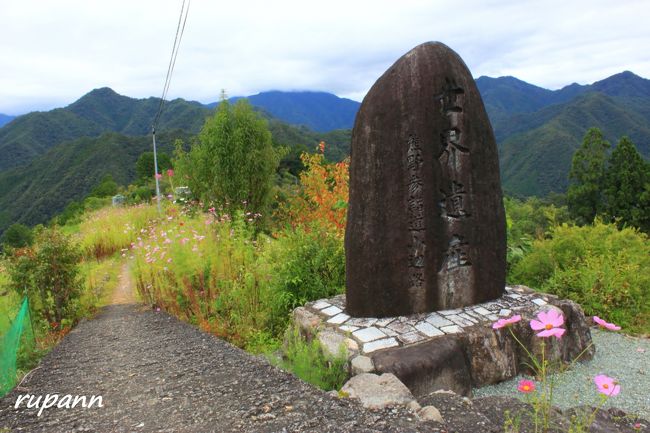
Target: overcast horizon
53 53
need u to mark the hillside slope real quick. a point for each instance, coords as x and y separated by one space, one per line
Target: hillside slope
100 111
536 153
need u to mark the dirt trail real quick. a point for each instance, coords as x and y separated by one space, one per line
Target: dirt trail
125 291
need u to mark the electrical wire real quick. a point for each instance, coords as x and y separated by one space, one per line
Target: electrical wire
180 29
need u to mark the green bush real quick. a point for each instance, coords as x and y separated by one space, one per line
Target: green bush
602 268
48 273
528 220
305 266
17 236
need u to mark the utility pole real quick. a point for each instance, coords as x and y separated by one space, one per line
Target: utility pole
155 164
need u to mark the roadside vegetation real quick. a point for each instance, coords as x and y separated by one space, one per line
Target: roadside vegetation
251 242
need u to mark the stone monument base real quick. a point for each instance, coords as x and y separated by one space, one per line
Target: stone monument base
446 350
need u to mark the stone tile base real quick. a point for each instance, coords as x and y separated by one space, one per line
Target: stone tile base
453 349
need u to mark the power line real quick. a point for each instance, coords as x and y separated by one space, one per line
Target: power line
180 29
170 71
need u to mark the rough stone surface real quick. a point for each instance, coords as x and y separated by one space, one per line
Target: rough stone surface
492 356
361 364
430 413
426 224
426 367
483 355
333 344
307 321
378 392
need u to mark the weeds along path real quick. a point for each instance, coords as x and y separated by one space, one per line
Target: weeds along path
125 291
155 373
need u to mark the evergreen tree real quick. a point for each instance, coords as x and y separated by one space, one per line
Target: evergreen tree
625 183
585 197
233 162
643 220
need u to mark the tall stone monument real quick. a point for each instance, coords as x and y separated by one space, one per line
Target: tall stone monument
426 224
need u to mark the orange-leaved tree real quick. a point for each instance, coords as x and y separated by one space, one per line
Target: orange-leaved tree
323 198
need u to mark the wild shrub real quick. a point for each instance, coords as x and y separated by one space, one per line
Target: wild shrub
602 268
528 220
305 266
48 273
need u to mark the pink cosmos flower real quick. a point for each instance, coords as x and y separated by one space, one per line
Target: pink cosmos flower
549 323
170 173
526 386
158 176
606 325
501 323
606 385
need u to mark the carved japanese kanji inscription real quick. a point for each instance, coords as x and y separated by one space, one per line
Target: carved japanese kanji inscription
426 225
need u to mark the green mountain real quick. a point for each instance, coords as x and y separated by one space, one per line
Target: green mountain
536 147
100 111
4 119
48 159
66 172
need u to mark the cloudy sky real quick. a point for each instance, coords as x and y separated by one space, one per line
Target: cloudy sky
53 52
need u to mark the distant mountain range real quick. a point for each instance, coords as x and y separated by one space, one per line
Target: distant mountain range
50 158
538 130
4 119
318 111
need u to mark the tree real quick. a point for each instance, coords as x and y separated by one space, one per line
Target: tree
625 183
585 197
144 166
233 162
105 188
17 236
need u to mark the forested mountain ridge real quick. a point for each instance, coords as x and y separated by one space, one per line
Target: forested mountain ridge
48 158
537 135
100 111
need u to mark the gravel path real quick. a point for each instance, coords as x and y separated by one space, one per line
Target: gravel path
155 373
617 355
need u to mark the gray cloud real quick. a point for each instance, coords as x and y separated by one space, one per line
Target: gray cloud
54 52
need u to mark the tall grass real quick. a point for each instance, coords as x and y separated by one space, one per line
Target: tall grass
104 232
205 270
